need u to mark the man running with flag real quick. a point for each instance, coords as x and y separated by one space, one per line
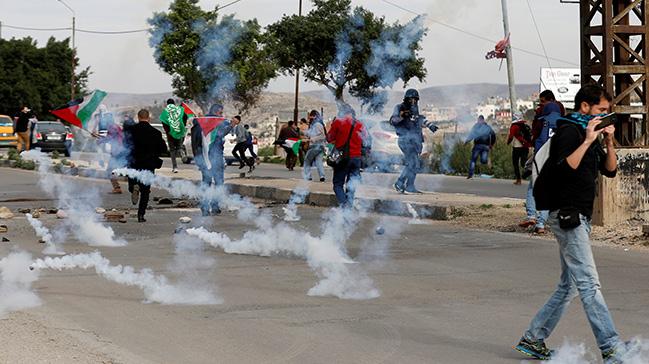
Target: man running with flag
208 136
173 120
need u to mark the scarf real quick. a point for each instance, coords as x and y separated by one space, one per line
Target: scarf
581 119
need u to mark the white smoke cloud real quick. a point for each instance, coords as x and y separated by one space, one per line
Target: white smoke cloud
42 232
297 197
79 204
571 353
156 288
16 283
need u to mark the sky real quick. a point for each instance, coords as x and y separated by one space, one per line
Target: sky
124 63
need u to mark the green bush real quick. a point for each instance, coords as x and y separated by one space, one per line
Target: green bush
56 154
13 155
266 151
25 164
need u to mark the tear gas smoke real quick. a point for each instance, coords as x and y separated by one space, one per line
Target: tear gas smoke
160 27
325 254
156 288
297 197
194 269
215 53
16 283
51 248
570 353
79 204
247 211
376 248
415 220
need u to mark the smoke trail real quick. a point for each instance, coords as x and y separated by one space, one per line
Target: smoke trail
569 353
297 197
325 255
156 288
193 267
78 203
42 232
16 282
390 57
415 220
247 211
215 52
376 246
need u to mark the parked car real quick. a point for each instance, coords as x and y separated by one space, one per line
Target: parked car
188 155
385 155
52 135
7 137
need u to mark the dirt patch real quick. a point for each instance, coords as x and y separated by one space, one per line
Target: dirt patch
506 217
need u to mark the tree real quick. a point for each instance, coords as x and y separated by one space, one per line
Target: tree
37 77
211 60
341 48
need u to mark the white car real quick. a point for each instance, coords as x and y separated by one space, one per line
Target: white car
385 156
188 155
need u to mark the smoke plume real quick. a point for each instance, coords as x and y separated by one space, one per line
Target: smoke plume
42 232
16 283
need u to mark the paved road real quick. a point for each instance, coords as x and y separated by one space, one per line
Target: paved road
448 295
426 182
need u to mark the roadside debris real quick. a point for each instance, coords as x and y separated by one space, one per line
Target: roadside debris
185 220
114 216
165 201
61 214
3 228
5 240
24 210
100 210
183 204
5 213
52 211
36 214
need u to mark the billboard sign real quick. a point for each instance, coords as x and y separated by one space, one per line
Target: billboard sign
563 82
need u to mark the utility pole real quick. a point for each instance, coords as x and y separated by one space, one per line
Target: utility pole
0 30
74 49
510 62
297 79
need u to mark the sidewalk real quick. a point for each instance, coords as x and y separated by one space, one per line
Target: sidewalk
431 205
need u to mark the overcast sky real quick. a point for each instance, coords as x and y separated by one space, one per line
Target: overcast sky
125 63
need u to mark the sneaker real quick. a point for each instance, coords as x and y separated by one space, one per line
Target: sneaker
618 355
322 179
527 223
536 350
539 231
140 218
241 165
469 177
135 195
413 191
175 170
398 187
216 212
518 182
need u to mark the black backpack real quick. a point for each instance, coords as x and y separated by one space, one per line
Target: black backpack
526 131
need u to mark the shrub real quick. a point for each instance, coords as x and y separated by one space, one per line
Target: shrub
13 155
56 154
266 151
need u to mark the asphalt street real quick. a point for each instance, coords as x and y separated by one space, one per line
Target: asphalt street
488 187
448 294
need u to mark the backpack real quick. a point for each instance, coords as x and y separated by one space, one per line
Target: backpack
526 131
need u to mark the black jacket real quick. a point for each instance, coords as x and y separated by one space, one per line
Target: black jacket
559 185
148 146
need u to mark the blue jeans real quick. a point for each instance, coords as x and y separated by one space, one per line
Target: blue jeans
411 151
314 154
348 173
578 275
479 150
212 177
530 206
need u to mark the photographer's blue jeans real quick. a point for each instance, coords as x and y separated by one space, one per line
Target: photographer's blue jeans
479 150
578 276
348 173
411 151
530 206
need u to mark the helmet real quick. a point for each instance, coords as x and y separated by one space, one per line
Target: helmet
411 94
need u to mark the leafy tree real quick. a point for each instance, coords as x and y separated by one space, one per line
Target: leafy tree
341 48
211 60
38 77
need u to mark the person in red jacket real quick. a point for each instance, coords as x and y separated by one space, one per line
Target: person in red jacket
351 142
521 136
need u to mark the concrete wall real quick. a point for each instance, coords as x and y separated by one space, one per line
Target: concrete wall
626 196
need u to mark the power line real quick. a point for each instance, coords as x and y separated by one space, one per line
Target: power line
538 33
478 36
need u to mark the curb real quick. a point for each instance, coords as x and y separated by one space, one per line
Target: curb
321 199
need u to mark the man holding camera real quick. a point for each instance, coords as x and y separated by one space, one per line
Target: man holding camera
566 187
408 124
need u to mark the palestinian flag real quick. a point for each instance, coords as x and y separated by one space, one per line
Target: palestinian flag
294 144
210 128
188 111
79 112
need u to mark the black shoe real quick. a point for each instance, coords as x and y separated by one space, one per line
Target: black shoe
135 194
216 212
140 218
241 165
398 187
205 213
322 179
536 350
